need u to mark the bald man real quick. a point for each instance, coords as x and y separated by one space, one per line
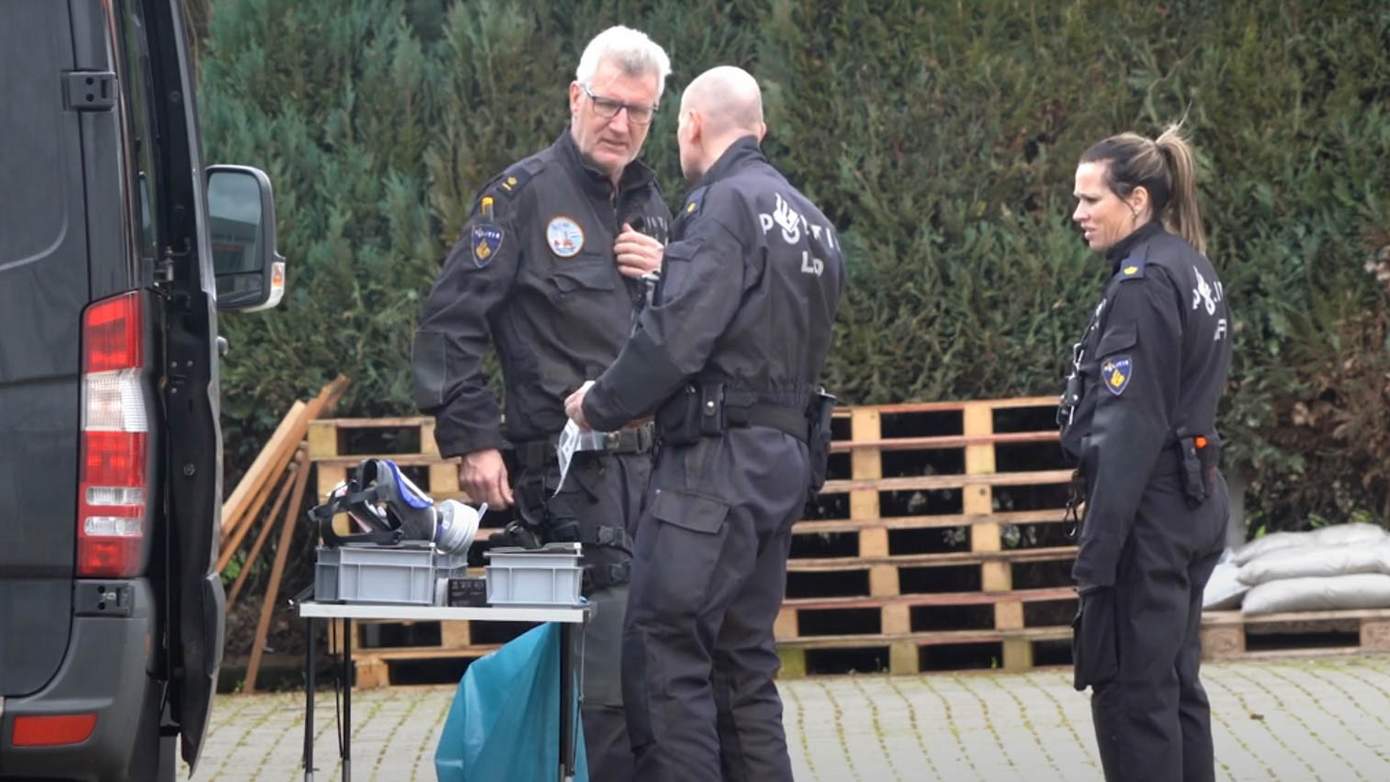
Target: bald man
728 356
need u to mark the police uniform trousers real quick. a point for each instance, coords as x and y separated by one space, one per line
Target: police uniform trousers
709 574
600 490
1153 720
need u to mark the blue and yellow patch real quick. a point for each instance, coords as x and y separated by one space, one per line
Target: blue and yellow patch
487 241
1116 372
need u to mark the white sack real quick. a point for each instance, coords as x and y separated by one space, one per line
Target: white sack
1360 590
1335 535
1317 561
1224 590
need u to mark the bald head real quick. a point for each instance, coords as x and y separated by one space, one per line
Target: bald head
729 100
719 107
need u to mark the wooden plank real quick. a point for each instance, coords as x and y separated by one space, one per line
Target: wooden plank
1049 554
927 522
323 439
786 625
381 423
933 599
897 619
903 658
866 466
1008 614
883 580
282 444
873 541
444 480
1018 654
933 482
793 663
266 526
944 442
403 459
937 407
934 638
277 571
427 442
455 635
234 542
261 468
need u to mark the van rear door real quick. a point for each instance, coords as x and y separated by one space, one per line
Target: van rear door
44 288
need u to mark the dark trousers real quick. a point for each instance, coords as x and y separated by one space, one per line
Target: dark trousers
600 490
1152 720
709 574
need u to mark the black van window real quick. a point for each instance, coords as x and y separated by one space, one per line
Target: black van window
144 133
35 132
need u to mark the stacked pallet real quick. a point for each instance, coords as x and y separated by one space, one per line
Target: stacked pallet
938 544
927 553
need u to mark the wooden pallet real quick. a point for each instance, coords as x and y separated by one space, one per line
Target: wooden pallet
872 575
885 591
376 665
1232 635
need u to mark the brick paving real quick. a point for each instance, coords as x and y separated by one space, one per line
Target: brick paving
1293 719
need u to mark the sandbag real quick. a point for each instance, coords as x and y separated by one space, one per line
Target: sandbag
1316 561
1359 590
1224 590
1337 534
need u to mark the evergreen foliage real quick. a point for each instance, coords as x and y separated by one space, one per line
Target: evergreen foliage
941 137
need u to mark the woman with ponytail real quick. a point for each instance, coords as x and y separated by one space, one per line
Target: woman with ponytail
1139 418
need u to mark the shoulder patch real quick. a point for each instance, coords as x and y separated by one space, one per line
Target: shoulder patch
693 203
1132 268
486 240
1116 372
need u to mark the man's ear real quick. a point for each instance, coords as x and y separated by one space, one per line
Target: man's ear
575 94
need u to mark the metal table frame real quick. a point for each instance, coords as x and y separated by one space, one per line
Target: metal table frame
346 612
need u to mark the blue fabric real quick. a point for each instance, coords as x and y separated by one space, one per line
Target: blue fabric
505 719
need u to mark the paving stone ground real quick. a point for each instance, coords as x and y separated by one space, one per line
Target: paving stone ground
1296 719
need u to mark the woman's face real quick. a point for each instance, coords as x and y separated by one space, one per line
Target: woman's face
1104 217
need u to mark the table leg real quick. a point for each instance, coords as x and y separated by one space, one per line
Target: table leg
309 700
566 702
347 700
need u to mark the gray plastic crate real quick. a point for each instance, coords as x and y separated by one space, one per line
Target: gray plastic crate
548 576
383 574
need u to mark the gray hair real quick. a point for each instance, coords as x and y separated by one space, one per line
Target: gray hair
629 49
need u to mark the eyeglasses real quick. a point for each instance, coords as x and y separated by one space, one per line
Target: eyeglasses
607 108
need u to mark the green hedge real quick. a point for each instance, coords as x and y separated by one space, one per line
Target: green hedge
940 136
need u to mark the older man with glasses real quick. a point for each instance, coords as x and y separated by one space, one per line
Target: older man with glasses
548 270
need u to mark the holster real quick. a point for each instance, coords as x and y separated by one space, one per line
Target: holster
1197 455
818 418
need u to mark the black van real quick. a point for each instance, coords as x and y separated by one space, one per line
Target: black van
117 248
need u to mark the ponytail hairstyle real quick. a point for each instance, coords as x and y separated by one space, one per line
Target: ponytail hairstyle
1166 167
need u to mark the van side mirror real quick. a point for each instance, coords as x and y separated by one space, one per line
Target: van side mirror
241 226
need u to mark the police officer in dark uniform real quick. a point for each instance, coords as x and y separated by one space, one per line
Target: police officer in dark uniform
1139 416
728 356
548 269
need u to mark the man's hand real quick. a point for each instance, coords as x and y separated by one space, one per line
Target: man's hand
483 475
574 406
636 253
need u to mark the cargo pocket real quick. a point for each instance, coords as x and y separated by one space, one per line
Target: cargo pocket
1095 654
689 534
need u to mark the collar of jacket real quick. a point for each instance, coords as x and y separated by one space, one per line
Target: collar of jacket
1120 250
594 181
739 154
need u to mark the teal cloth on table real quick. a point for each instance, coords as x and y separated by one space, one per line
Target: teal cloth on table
505 719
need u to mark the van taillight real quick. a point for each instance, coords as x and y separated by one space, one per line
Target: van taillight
112 497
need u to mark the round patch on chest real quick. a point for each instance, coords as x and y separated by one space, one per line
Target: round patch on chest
564 236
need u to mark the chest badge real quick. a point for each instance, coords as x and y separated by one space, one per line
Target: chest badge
564 236
1116 372
486 240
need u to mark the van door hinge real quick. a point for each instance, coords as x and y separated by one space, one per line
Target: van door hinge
89 90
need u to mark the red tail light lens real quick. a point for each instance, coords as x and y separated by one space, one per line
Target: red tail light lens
113 486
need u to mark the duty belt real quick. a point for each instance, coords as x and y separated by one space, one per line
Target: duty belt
538 454
743 408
